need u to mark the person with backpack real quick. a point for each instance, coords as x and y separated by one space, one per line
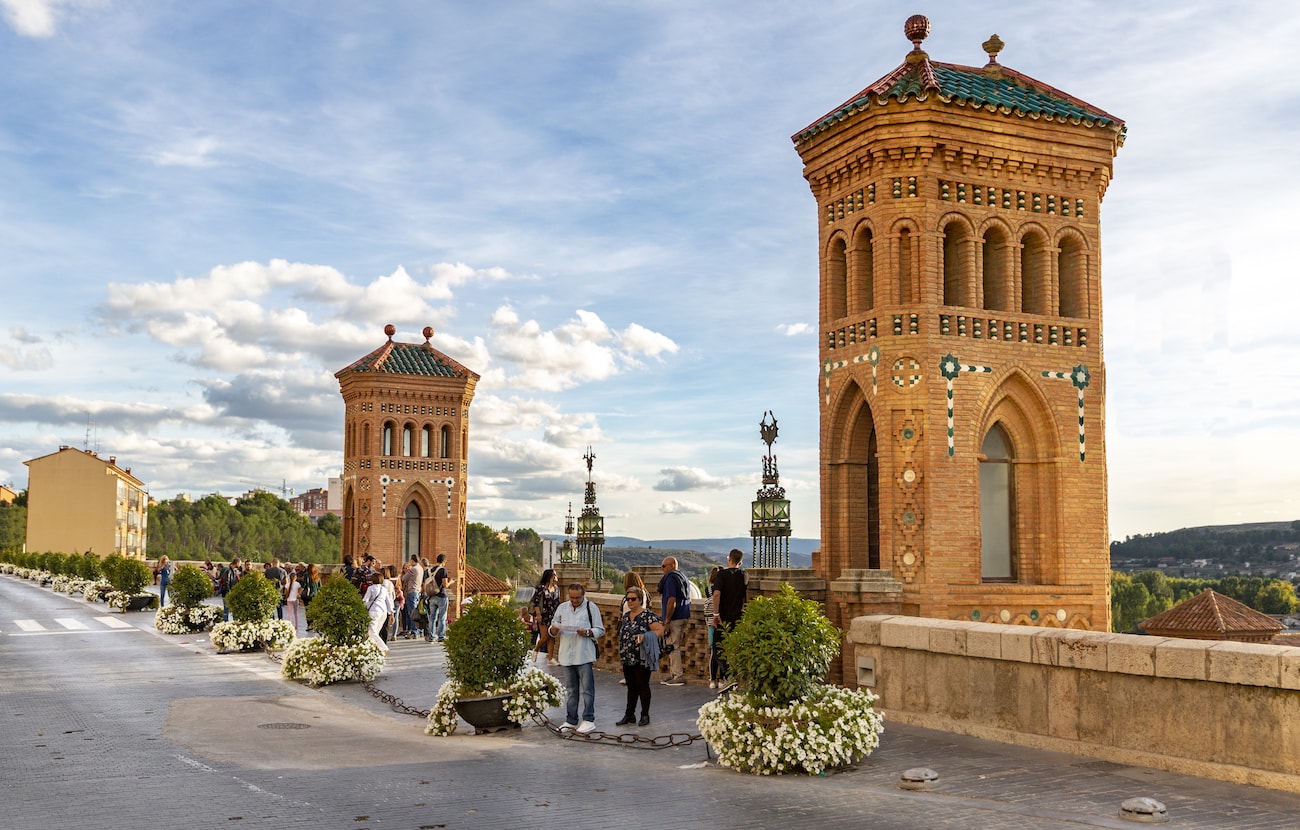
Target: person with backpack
675 598
435 588
730 593
226 581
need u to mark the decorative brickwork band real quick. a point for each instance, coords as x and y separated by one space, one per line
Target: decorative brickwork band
451 484
1080 377
950 367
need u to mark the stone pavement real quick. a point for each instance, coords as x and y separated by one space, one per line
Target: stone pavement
113 727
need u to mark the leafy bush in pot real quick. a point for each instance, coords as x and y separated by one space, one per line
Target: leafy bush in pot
129 575
189 587
781 648
90 567
338 612
253 599
486 646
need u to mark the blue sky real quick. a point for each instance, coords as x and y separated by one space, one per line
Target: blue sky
209 208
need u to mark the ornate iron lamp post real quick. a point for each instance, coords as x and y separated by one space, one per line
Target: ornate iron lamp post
591 527
566 550
769 523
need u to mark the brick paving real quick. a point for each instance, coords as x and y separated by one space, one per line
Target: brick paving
122 728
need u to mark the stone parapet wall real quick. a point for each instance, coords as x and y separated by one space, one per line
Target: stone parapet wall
1216 709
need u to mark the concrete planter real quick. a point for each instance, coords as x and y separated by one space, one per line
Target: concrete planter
485 714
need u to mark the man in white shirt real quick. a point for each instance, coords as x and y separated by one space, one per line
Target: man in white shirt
578 626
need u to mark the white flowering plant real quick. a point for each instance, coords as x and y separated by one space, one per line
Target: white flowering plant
96 591
320 663
784 719
532 692
830 727
121 600
177 619
272 635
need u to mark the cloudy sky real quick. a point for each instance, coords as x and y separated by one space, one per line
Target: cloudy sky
206 209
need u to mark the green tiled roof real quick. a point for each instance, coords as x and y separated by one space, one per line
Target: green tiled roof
995 88
409 359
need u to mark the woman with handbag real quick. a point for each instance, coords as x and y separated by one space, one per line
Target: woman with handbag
546 599
639 630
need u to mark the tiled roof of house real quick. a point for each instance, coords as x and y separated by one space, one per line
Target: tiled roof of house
408 359
1211 615
484 583
993 87
1291 639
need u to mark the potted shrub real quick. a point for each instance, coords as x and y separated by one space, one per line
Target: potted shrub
783 718
489 683
128 578
252 603
187 612
342 651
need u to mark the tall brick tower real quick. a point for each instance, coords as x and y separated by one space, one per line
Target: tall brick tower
962 389
406 440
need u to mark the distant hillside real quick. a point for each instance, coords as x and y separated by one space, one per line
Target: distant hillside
1264 548
693 555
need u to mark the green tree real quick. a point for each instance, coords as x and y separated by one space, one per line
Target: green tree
1277 597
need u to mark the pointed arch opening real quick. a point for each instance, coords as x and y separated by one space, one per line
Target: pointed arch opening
854 484
389 428
444 441
411 523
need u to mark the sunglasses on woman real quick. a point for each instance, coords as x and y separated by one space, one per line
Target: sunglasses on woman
632 598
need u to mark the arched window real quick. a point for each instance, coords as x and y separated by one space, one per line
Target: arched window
366 449
997 271
444 442
408 433
997 502
837 268
905 287
411 531
864 291
1072 270
388 438
426 440
1035 275
957 282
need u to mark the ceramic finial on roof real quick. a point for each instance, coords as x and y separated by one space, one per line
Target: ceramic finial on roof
390 330
428 333
993 45
916 29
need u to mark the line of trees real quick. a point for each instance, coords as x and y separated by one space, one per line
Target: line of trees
517 557
1139 596
258 528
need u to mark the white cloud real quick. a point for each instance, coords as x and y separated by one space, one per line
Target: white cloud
38 18
794 329
188 152
676 508
679 479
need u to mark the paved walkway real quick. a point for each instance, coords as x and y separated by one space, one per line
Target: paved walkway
105 725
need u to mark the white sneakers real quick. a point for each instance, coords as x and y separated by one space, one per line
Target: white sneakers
568 727
585 727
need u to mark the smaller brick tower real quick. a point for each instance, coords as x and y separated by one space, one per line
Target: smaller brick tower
406 442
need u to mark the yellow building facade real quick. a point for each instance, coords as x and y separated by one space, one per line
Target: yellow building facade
78 502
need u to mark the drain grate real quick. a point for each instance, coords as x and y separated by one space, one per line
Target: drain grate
286 725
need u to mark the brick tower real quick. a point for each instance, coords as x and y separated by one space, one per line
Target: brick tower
406 439
962 389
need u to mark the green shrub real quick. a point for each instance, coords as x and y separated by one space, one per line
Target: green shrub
130 575
338 612
53 562
253 599
89 566
109 567
486 645
781 647
189 587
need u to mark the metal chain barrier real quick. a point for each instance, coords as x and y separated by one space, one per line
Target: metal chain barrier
628 739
